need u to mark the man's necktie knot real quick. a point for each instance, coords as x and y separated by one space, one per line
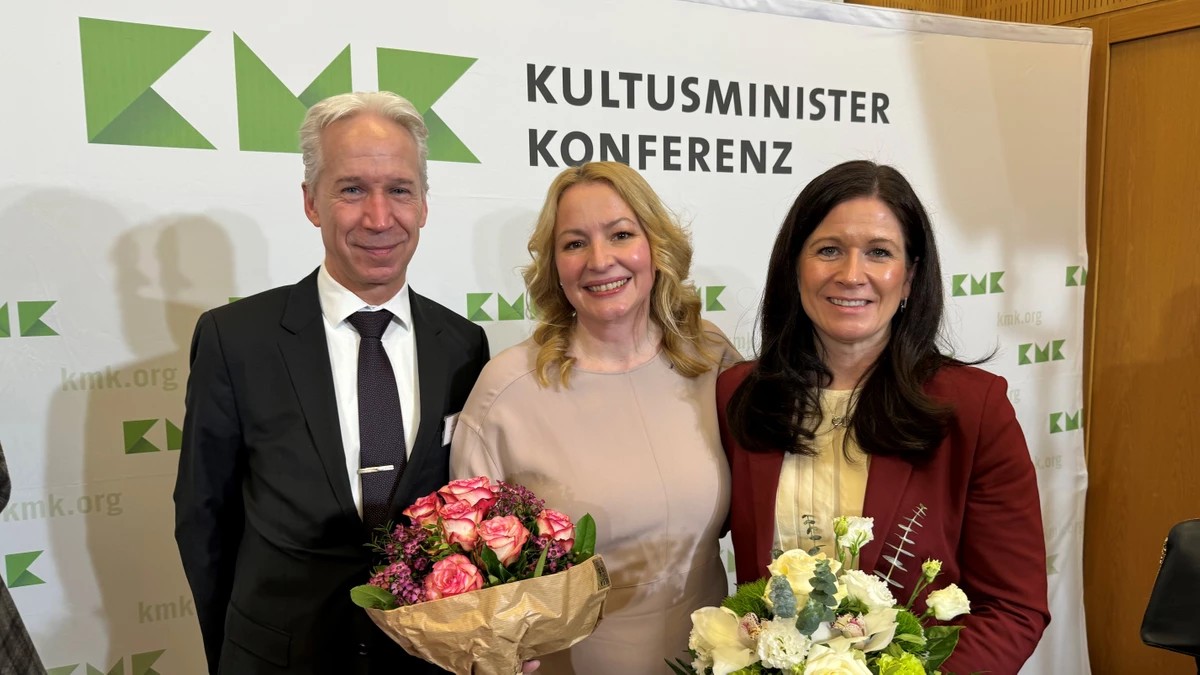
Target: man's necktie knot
370 325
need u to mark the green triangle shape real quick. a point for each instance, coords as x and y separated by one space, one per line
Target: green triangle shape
957 289
444 145
62 670
475 306
995 283
269 115
5 330
135 432
151 121
1041 355
26 579
511 312
117 669
174 437
140 663
122 60
29 315
334 80
712 295
978 286
420 77
1057 354
16 568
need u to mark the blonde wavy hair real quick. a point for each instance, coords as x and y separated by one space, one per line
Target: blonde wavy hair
674 302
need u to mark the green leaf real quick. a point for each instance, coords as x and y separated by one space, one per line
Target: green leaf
492 563
810 618
825 587
941 642
850 605
682 669
585 539
912 644
541 563
373 597
748 599
783 599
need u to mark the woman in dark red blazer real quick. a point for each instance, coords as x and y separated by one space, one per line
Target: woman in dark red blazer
853 301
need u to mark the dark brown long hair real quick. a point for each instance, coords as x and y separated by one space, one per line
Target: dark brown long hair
776 404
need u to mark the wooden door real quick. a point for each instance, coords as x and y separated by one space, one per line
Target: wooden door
1144 414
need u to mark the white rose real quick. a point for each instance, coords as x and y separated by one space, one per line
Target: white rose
859 531
826 660
799 568
780 645
868 589
948 603
717 643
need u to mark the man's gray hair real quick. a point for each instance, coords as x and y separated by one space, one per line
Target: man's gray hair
383 103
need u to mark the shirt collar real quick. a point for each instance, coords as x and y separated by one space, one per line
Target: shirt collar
339 302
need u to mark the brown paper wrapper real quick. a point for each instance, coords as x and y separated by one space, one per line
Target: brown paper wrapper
493 631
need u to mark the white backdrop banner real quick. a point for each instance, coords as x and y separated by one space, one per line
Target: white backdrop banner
151 173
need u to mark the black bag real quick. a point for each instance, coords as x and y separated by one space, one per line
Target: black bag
1172 619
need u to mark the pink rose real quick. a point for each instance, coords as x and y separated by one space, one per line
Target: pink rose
452 576
459 522
475 491
506 536
556 527
425 510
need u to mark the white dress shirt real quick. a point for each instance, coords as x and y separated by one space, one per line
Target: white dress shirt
399 342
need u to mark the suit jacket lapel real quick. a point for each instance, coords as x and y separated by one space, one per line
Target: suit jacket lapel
887 479
764 470
306 354
431 381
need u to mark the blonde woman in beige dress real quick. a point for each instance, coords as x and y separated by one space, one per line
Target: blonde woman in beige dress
610 409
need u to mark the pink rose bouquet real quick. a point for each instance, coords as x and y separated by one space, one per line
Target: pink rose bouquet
499 545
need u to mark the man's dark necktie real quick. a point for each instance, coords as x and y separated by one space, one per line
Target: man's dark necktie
380 422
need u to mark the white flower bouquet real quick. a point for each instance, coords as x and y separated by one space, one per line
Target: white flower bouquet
817 615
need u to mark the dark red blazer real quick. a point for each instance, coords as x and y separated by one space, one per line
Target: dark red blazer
983 519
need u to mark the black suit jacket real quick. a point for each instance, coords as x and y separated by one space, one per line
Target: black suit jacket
269 535
17 653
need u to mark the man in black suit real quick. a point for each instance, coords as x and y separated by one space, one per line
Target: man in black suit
318 411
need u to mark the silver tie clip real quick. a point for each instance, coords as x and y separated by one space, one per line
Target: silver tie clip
376 469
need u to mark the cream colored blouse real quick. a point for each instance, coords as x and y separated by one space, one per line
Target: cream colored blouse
825 486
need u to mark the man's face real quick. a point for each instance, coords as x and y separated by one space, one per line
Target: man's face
369 203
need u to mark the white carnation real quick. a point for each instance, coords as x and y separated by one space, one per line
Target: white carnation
780 645
868 589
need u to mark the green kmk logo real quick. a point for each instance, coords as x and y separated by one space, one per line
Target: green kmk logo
29 319
1051 351
1061 422
984 285
135 436
139 664
16 569
1076 276
711 296
516 310
122 62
